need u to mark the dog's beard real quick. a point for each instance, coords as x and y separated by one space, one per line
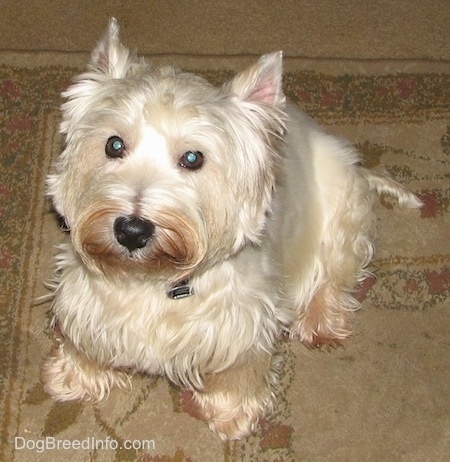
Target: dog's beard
173 251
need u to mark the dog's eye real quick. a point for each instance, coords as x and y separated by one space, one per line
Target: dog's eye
115 147
192 160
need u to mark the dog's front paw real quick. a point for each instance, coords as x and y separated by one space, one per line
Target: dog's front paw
70 376
226 418
60 378
235 399
236 428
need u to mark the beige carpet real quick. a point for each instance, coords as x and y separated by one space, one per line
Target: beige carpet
385 86
368 29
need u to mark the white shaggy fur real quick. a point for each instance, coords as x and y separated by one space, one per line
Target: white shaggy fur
273 231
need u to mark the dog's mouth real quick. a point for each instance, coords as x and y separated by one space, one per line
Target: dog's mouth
169 244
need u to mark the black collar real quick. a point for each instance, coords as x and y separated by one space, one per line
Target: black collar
180 290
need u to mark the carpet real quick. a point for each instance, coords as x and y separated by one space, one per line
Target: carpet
375 29
383 397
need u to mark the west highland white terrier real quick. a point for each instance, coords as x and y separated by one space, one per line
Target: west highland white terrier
204 223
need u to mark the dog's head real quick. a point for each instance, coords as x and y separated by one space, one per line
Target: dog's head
163 172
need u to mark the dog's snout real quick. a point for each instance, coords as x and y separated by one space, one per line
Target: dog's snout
133 232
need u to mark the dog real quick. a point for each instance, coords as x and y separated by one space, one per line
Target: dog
205 223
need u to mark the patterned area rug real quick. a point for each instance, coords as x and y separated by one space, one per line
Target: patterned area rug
382 397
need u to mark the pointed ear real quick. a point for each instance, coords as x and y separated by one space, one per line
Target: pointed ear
110 57
262 82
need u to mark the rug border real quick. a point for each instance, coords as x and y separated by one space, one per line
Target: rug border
236 62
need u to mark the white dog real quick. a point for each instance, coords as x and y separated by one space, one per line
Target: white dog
204 222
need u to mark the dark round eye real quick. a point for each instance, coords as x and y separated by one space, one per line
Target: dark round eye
192 160
115 147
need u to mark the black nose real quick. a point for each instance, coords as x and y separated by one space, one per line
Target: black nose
133 232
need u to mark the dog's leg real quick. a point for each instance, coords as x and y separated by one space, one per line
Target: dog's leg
233 400
69 375
325 322
345 250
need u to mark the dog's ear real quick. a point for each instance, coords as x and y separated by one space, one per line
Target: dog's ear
110 57
262 82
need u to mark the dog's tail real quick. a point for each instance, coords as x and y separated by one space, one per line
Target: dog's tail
383 183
